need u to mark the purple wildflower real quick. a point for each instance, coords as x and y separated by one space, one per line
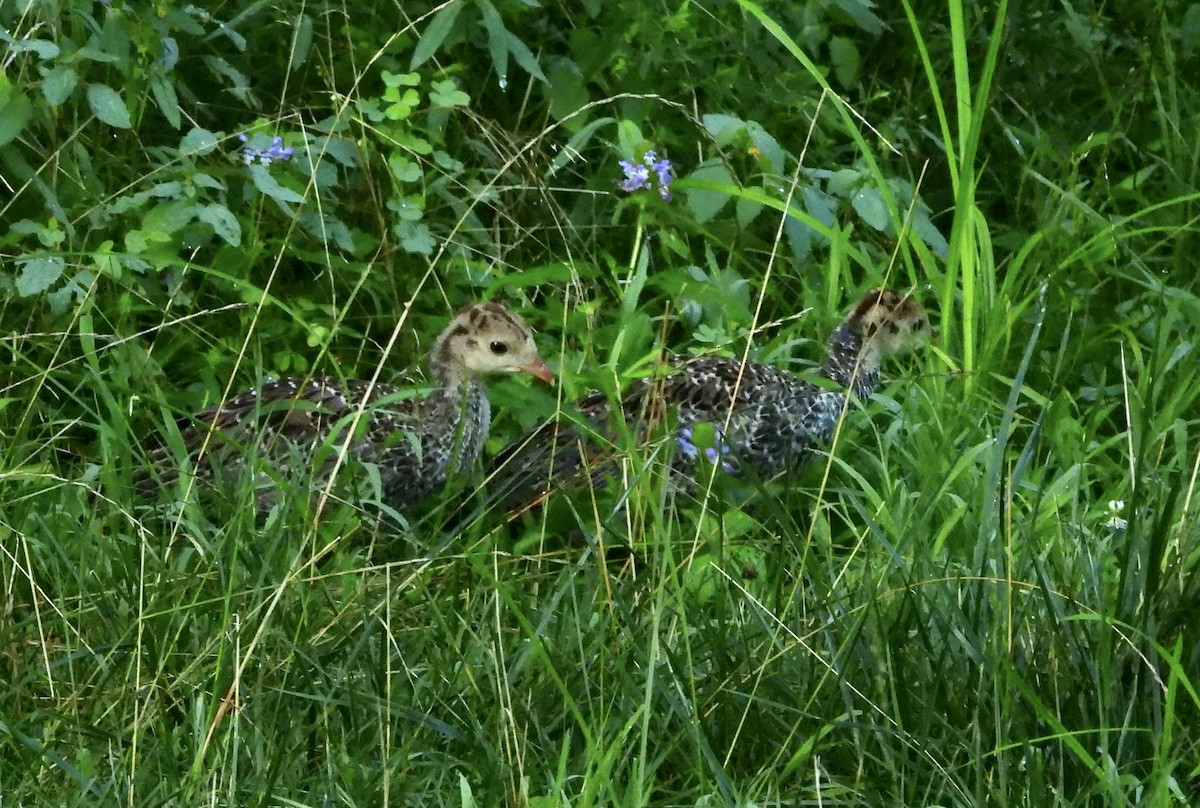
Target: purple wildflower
665 174
715 454
637 175
686 446
277 151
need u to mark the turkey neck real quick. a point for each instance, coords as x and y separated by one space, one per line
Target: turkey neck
849 364
461 398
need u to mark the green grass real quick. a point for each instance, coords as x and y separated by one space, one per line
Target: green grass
949 609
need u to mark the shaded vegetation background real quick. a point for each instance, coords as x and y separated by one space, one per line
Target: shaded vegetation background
987 594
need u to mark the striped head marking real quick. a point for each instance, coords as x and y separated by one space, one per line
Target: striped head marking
487 338
892 322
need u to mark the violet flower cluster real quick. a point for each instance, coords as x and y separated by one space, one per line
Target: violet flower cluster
637 175
275 153
714 453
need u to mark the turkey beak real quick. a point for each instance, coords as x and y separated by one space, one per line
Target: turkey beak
537 369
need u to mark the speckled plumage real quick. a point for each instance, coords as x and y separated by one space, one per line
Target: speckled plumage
296 428
763 418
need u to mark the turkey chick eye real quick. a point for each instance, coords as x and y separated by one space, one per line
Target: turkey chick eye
499 348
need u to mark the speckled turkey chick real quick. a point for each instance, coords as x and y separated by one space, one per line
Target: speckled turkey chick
296 427
763 418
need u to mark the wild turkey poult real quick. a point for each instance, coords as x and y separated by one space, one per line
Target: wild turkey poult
762 418
415 442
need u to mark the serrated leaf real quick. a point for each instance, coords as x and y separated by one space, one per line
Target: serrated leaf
108 106
435 34
58 84
223 223
415 238
38 274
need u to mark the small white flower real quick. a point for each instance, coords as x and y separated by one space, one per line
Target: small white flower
1115 522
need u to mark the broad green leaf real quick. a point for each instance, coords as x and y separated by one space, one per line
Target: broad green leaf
767 145
44 48
58 84
846 61
403 169
223 223
723 128
38 274
447 94
568 93
301 43
169 217
402 104
407 208
842 181
868 203
415 238
15 111
391 79
629 138
76 288
340 149
820 205
707 204
198 142
107 105
271 187
166 99
746 211
928 232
